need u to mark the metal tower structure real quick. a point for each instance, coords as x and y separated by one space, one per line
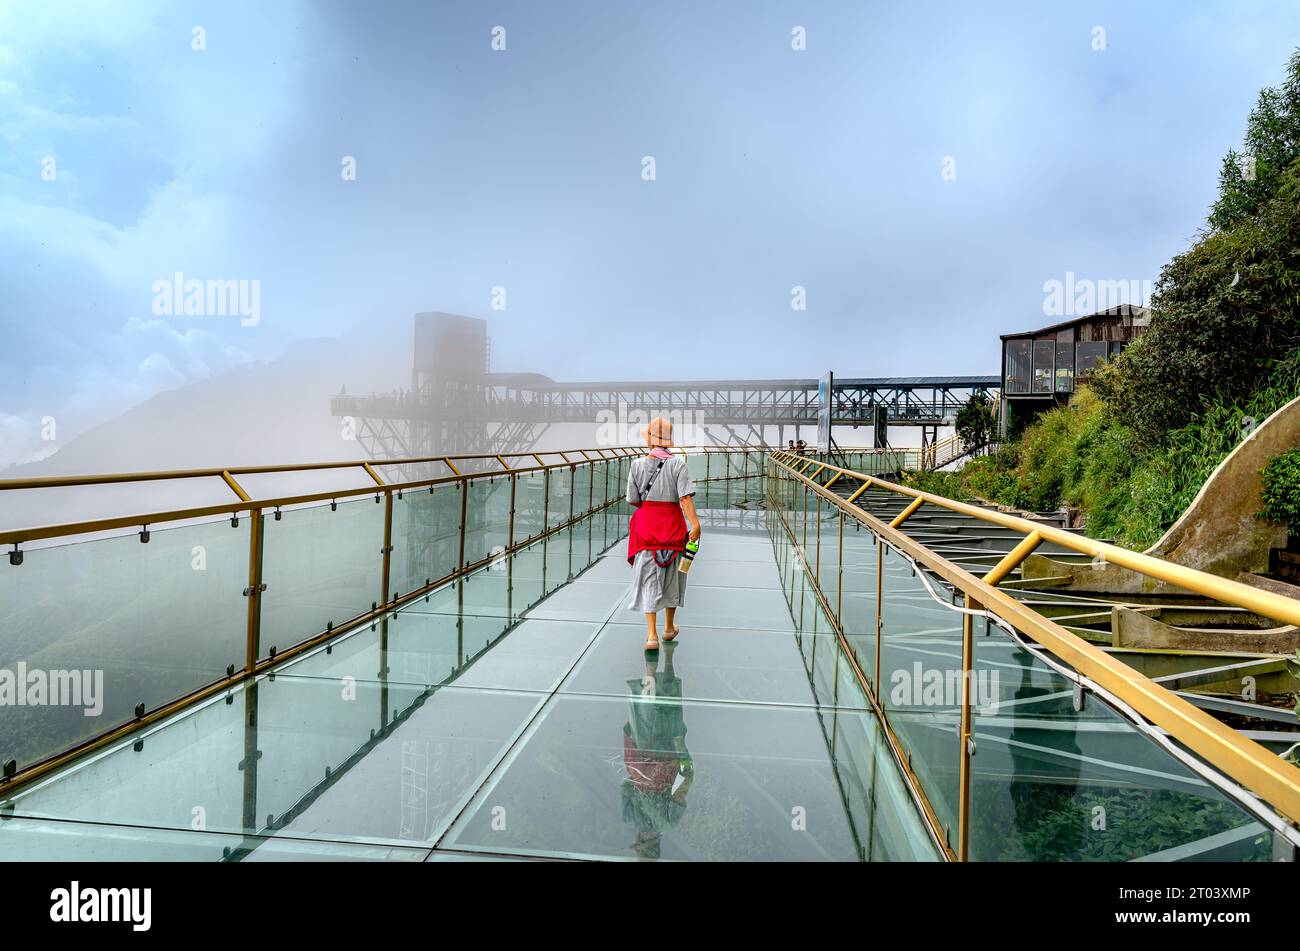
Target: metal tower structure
457 405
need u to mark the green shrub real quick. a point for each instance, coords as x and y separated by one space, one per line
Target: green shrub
1281 490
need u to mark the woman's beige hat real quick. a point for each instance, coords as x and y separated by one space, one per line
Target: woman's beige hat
658 432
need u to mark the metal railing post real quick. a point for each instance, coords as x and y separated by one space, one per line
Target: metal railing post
573 488
464 503
880 605
965 734
510 527
254 591
388 541
839 574
817 569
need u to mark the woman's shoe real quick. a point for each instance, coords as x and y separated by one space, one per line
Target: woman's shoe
672 635
651 645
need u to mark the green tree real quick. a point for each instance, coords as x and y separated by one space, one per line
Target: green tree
976 424
1249 178
1226 309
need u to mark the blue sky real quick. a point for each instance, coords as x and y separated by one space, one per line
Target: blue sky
522 169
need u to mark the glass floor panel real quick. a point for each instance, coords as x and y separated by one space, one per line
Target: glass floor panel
471 651
755 609
612 568
704 664
653 777
495 594
710 571
334 760
56 840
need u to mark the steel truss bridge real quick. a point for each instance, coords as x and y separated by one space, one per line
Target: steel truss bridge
507 412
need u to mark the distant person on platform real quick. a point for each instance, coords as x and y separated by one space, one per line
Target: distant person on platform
802 447
661 491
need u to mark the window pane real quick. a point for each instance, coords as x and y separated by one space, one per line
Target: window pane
1044 354
1064 367
1088 356
1018 366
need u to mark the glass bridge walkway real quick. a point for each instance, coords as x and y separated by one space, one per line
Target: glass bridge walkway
511 713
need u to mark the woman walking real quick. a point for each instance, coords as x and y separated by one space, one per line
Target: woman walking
660 489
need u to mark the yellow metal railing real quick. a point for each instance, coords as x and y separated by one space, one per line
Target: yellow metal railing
1243 761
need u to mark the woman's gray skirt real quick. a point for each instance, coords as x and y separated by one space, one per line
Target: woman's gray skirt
655 588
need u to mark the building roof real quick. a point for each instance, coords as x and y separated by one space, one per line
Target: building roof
1122 310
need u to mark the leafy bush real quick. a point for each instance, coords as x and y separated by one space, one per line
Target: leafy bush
1281 490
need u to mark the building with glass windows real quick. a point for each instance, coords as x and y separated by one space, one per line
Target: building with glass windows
1041 368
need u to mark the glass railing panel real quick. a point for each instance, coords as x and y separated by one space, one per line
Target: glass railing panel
426 537
558 554
527 568
920 682
794 512
90 629
599 484
886 823
858 593
1055 782
322 565
697 464
559 496
487 517
585 548
581 490
828 557
618 488
530 506
825 654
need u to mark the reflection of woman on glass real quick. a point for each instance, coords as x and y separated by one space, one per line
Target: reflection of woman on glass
660 488
654 752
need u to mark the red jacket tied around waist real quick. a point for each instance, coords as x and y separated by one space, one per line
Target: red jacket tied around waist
656 526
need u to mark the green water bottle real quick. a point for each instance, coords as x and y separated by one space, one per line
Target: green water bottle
688 555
